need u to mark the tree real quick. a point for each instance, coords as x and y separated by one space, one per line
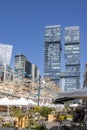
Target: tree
17 112
45 111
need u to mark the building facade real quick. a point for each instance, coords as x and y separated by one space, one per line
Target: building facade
35 73
5 61
85 76
52 53
5 54
22 65
72 58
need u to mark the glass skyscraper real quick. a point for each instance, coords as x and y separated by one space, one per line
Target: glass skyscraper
72 58
52 53
5 54
22 63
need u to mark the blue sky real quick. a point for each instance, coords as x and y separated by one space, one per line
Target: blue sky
22 24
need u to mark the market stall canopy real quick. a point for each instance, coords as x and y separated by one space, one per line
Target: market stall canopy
30 102
17 102
71 95
21 102
5 101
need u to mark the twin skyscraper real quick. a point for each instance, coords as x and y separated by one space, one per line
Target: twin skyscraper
69 78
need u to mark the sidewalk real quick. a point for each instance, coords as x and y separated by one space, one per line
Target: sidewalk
52 125
55 126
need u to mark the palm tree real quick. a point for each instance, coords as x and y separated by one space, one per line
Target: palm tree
17 112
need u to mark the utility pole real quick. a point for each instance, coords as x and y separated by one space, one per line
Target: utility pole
39 92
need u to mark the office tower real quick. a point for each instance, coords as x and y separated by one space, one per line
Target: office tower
85 84
5 61
35 73
52 53
23 65
5 54
85 76
72 58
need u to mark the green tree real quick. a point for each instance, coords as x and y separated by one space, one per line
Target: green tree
45 111
17 112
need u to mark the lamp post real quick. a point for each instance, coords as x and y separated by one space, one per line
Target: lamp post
39 92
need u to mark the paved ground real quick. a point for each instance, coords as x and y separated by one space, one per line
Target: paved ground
52 125
56 126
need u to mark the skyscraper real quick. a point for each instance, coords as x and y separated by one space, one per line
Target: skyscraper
5 61
85 76
72 58
35 73
5 54
52 53
23 65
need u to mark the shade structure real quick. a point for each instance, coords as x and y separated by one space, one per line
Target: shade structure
17 102
31 103
14 102
71 95
5 101
21 102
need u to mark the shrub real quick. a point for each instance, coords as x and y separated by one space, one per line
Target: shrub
45 111
41 127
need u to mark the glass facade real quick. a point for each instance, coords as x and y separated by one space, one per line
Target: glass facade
5 54
21 63
52 53
72 58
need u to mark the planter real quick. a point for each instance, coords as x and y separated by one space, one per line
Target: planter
7 128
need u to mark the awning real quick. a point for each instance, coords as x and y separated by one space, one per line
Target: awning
71 95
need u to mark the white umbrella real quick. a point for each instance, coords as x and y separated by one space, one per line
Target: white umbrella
30 102
21 102
42 104
5 101
14 102
47 104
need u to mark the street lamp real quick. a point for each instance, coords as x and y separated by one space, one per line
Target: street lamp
39 93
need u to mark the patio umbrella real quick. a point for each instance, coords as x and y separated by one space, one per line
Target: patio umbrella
5 101
21 102
14 102
32 103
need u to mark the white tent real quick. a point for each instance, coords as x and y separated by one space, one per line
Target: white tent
31 103
14 102
21 102
17 102
5 101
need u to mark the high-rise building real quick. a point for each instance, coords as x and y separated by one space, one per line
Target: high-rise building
23 65
35 73
72 58
52 53
85 76
5 54
5 61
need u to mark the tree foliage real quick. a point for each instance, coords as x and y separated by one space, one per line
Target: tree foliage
16 112
45 111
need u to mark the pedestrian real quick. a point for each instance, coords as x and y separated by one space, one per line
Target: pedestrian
59 121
